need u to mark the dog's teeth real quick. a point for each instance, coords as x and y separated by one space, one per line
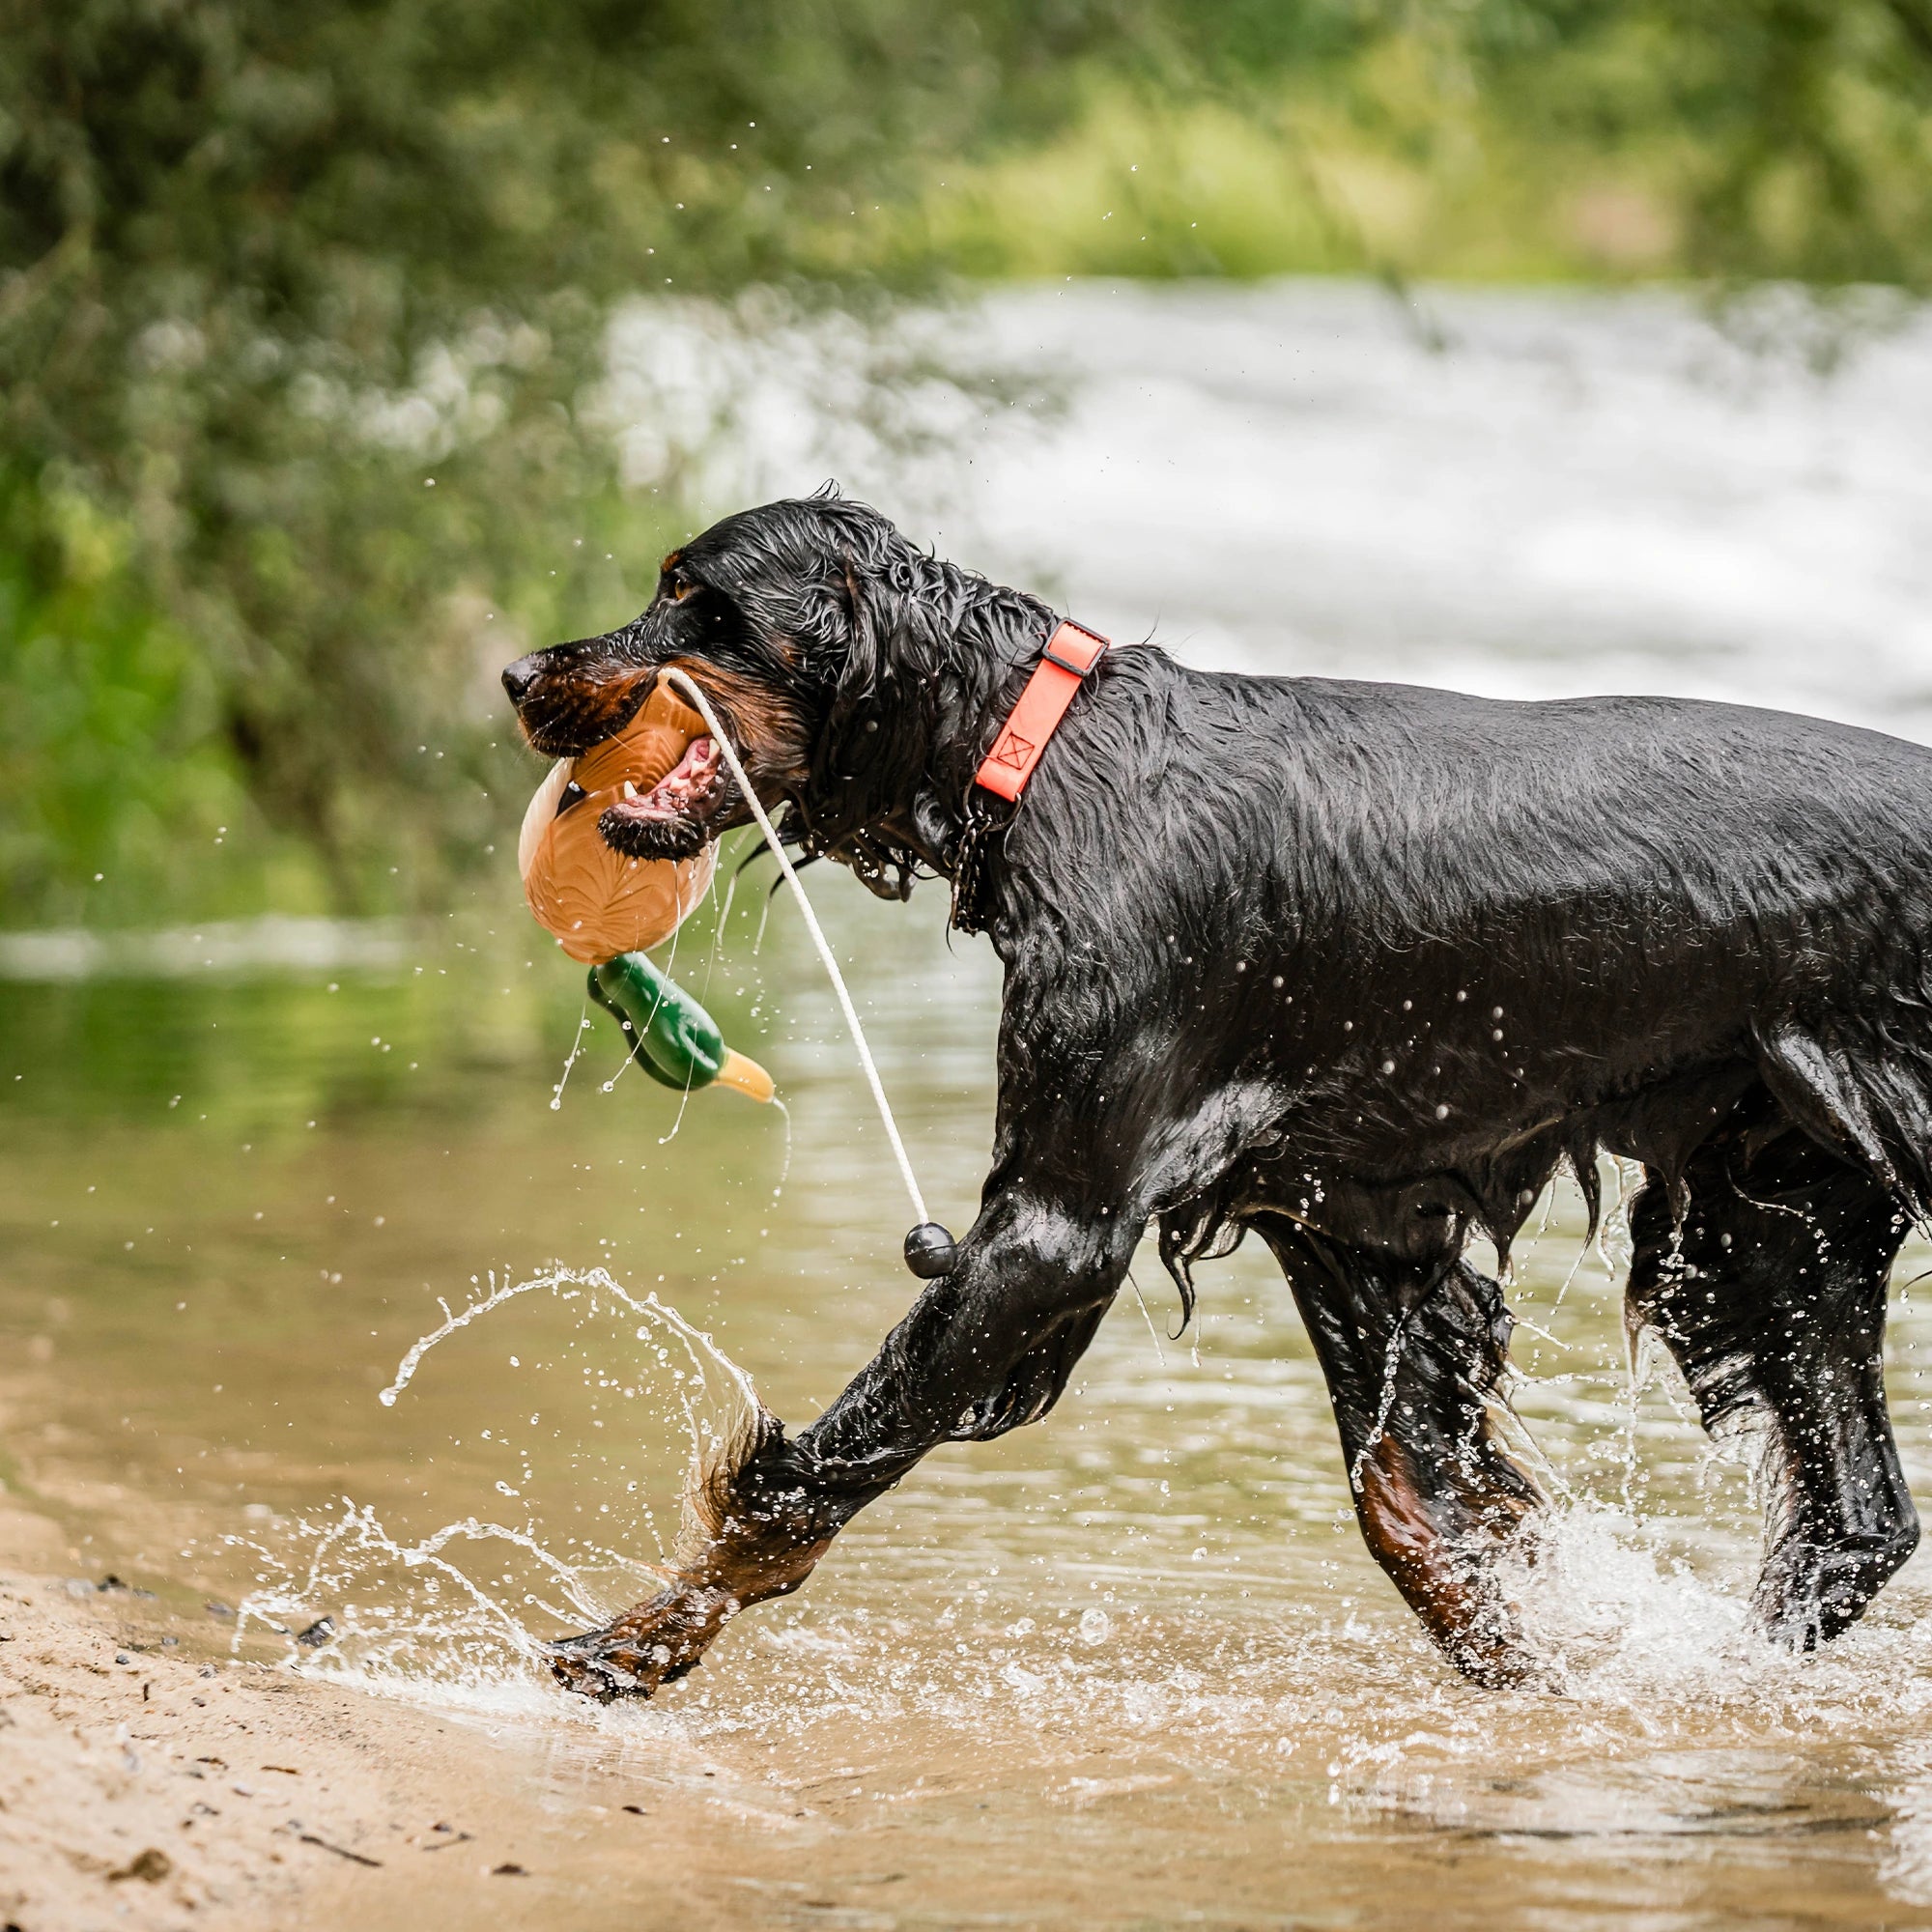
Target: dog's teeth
630 790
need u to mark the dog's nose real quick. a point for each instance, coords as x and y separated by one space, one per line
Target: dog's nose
518 678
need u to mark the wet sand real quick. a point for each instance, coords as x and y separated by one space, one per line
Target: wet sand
140 1788
144 1786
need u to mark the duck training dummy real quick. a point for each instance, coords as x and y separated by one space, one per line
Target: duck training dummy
606 910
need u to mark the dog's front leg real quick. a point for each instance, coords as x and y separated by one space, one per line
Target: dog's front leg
982 1349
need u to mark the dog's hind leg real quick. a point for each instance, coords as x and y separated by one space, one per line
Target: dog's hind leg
1414 1353
984 1350
1771 1293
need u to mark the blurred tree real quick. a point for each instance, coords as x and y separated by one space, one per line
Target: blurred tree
1722 140
1790 139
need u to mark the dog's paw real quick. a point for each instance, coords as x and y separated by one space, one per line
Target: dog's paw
1499 1663
603 1667
645 1649
1811 1592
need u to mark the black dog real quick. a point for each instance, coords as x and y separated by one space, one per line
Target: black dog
1359 967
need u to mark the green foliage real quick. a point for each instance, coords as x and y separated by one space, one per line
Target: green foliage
301 307
1726 141
1786 138
105 773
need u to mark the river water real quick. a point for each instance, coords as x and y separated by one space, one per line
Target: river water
1130 1667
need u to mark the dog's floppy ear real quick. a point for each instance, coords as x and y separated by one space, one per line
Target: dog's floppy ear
900 598
866 586
886 626
824 616
878 609
868 618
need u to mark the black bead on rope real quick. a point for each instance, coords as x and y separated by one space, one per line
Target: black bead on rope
931 1251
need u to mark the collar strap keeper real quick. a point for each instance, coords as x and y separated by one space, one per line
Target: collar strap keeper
1064 665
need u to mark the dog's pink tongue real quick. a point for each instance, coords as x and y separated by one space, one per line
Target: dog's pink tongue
695 770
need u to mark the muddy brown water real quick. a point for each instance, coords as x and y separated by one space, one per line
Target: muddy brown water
1130 1667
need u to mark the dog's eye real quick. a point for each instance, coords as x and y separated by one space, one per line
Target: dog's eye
681 589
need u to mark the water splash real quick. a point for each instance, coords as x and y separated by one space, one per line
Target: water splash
1391 1369
570 1060
1623 1621
422 1613
702 1348
1206 1659
473 1604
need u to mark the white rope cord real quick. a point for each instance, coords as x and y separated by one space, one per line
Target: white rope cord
673 676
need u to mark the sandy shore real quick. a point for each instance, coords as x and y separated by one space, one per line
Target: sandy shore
140 1788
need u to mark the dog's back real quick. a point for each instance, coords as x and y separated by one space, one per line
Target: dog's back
1516 911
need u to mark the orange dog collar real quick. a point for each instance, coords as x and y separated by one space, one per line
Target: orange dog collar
1070 656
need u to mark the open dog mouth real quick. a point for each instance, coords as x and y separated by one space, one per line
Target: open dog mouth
673 818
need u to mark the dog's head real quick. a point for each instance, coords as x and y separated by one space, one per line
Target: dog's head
818 634
757 611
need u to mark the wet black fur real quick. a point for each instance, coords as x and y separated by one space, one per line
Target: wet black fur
1360 967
